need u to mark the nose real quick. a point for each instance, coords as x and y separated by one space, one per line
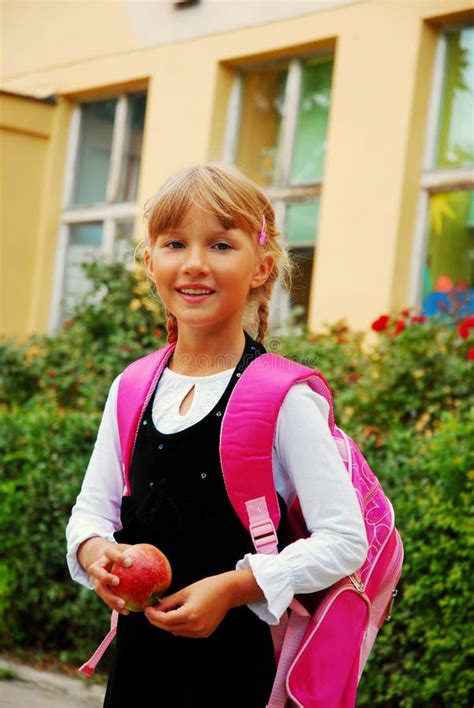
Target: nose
196 260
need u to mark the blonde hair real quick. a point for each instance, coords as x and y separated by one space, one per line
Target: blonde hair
237 202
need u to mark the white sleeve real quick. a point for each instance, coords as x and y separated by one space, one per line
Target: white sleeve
97 508
309 465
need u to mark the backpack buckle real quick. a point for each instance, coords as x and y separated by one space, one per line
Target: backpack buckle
264 536
357 581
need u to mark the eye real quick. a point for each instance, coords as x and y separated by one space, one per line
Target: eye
171 243
222 243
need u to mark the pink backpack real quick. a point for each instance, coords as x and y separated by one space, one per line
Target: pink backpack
322 643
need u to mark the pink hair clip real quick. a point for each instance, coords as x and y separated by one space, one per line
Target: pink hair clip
263 233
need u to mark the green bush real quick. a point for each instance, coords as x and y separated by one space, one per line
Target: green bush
118 321
44 456
406 399
414 377
425 655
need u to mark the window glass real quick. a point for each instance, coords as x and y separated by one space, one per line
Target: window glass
262 109
124 232
97 123
85 242
310 139
448 277
265 117
301 223
301 283
455 145
300 234
133 148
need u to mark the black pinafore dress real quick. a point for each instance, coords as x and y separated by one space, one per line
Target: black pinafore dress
178 502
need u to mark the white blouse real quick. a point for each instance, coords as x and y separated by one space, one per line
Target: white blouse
306 463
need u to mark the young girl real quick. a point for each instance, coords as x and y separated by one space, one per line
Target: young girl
214 255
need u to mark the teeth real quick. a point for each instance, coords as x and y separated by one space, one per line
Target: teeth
195 292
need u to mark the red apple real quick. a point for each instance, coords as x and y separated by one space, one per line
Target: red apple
145 581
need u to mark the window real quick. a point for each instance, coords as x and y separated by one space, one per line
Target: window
443 271
276 134
102 174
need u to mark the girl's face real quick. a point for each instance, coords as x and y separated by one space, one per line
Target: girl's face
200 254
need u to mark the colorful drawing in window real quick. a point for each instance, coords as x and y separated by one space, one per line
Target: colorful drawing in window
448 278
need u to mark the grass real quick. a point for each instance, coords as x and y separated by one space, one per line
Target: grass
7 674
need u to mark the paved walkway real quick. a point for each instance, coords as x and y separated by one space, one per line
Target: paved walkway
44 689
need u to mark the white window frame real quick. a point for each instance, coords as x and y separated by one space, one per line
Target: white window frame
282 192
433 180
109 212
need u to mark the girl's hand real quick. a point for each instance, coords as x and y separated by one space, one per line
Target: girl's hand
196 610
104 580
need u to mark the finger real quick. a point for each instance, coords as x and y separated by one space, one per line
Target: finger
182 629
101 574
167 605
166 620
171 602
117 556
110 599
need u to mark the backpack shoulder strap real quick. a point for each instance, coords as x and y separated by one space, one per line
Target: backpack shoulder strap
247 434
135 388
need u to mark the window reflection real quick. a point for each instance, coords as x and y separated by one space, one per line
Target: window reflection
300 235
93 159
85 242
133 147
124 231
456 121
310 139
262 109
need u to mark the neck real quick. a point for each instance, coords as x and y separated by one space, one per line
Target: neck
202 353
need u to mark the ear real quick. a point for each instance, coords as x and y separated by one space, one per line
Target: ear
148 259
262 271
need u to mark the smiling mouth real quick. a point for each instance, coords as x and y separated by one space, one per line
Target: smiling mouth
194 293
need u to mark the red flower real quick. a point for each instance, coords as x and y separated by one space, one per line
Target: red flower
465 326
419 318
399 327
405 313
470 354
352 378
381 324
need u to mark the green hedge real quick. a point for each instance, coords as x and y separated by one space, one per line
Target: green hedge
43 465
407 400
425 655
116 323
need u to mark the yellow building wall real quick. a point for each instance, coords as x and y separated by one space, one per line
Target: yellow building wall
33 138
25 128
382 78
